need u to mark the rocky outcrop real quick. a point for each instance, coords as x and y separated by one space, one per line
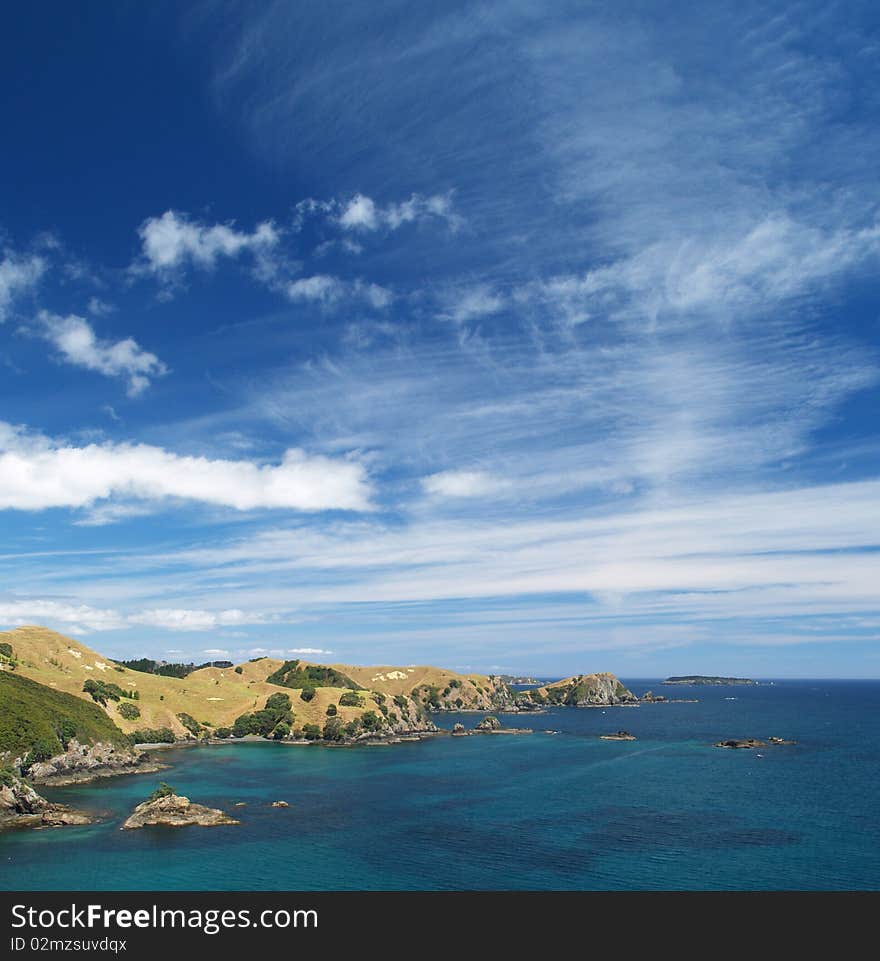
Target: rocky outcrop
458 730
467 694
583 690
175 810
751 742
700 679
22 806
279 804
86 762
741 743
489 723
619 736
649 697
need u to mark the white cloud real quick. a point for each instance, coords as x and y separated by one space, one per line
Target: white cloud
173 240
308 650
462 483
20 611
474 302
75 339
324 289
181 619
362 213
99 308
17 275
215 652
37 473
319 287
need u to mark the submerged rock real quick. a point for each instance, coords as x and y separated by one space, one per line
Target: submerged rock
175 810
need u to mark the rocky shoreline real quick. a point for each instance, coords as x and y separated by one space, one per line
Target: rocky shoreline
21 806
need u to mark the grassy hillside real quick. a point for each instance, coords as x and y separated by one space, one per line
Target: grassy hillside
214 697
583 690
39 722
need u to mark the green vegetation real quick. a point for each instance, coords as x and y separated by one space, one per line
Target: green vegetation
311 732
146 665
307 693
401 701
103 691
351 699
38 722
190 723
332 710
371 721
223 733
281 731
333 729
163 790
6 650
290 674
266 722
129 711
153 735
238 670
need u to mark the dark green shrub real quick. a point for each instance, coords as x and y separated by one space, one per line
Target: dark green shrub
331 710
401 701
371 721
351 699
278 702
223 733
333 729
281 731
153 735
163 790
6 649
128 711
307 693
238 670
290 674
190 723
353 728
311 732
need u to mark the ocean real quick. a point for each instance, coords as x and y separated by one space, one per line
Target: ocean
493 812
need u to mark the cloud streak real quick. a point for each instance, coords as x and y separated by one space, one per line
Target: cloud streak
37 473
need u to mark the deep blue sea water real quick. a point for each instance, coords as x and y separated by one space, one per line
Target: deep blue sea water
535 812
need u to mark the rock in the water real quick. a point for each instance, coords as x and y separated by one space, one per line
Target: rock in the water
458 730
490 723
744 743
649 697
280 804
174 810
780 740
619 736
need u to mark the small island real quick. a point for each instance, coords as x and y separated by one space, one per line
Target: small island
700 679
164 807
619 736
751 742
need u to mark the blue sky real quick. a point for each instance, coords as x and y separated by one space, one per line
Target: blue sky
505 336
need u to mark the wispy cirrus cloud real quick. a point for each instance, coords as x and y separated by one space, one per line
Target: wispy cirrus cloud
76 342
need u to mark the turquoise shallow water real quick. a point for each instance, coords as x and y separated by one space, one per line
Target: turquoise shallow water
538 812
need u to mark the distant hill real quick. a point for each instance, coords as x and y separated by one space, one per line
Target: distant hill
697 679
37 722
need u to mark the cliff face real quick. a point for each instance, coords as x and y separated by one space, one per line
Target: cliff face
583 690
21 806
86 762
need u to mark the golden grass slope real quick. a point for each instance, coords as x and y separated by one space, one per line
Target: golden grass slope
212 696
